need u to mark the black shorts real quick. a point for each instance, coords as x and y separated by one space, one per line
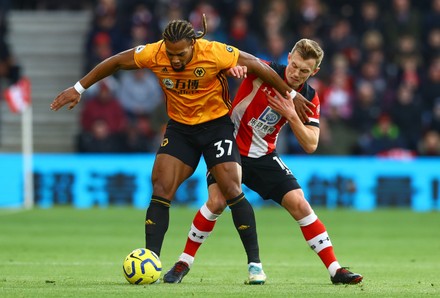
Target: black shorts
214 140
268 176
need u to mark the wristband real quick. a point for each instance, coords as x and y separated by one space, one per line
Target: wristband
293 94
79 88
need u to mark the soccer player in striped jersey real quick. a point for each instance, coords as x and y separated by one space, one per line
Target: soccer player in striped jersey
258 114
192 74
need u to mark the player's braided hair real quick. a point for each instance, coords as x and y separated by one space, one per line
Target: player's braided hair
177 30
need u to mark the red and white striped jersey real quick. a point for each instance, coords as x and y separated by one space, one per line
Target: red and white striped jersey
257 126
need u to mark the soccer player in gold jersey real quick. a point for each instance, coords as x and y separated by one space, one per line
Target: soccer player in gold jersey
191 72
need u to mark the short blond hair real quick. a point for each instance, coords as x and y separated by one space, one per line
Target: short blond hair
309 49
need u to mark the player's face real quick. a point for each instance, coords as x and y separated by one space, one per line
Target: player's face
299 70
179 53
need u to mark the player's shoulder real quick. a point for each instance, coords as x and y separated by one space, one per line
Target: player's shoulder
213 46
280 69
308 92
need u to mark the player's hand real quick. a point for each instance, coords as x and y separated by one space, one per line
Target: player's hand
282 105
302 107
70 95
238 72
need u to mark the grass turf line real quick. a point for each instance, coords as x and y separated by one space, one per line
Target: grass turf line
66 252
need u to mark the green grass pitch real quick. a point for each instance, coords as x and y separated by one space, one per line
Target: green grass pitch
66 252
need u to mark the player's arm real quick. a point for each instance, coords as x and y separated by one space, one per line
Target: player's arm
307 135
72 95
268 75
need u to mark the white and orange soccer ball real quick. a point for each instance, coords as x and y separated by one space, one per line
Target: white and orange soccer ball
142 266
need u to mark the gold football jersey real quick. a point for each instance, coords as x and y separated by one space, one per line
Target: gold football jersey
200 92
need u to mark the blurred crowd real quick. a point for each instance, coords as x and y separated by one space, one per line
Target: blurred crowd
379 82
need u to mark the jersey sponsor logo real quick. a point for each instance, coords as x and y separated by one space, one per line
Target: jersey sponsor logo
164 69
229 49
266 121
139 49
199 72
182 86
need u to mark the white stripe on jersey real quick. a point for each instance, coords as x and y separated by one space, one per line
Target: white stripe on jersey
240 108
258 146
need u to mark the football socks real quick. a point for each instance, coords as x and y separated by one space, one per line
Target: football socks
156 223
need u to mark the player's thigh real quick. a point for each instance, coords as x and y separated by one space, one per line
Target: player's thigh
228 177
168 174
176 160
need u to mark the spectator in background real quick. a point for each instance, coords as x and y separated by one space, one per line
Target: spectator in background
430 94
241 36
371 71
431 18
368 18
429 145
337 96
102 115
401 19
276 49
406 114
409 72
139 93
312 14
385 138
366 108
372 47
142 27
104 37
216 30
431 46
341 40
101 49
171 10
141 136
99 139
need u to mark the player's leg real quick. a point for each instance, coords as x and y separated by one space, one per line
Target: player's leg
203 223
168 173
223 160
227 174
201 227
316 235
175 162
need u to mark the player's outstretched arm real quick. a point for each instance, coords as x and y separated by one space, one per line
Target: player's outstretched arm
268 75
72 95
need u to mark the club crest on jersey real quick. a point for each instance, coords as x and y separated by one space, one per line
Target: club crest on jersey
168 83
266 121
199 72
229 49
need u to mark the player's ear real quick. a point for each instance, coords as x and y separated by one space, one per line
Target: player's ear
315 71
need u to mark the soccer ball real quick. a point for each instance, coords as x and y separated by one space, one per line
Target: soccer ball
142 266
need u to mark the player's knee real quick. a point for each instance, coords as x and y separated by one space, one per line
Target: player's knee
296 204
216 205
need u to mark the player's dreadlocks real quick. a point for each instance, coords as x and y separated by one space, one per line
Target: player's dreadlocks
177 30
